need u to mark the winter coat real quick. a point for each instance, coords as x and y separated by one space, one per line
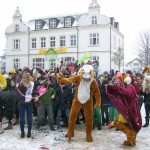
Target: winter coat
64 97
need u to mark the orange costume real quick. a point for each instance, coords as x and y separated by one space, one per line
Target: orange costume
86 88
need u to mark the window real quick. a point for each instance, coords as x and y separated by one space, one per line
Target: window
38 25
135 64
62 41
52 66
52 41
16 44
119 43
94 39
16 28
68 22
33 42
94 20
68 59
16 63
43 42
95 59
38 62
73 40
115 42
53 23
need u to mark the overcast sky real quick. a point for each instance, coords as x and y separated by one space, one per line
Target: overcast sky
132 15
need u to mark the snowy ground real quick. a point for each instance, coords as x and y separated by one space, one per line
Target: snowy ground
105 139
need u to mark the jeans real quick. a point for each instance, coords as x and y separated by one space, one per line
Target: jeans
147 109
1 113
42 108
28 108
59 115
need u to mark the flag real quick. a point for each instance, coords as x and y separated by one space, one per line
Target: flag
84 58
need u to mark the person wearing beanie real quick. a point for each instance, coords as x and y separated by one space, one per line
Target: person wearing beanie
124 99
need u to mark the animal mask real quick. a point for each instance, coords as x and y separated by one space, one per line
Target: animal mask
87 71
125 78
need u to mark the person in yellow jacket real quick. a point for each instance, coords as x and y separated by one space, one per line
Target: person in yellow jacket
3 85
3 82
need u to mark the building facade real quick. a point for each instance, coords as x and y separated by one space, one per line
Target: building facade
136 66
2 63
70 36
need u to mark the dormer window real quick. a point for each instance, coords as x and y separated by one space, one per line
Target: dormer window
38 25
68 22
53 23
16 28
94 20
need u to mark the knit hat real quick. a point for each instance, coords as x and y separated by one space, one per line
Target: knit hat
25 69
12 71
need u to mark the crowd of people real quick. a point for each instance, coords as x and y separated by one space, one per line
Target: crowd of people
37 93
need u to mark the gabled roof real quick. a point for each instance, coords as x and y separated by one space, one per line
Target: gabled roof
60 20
134 60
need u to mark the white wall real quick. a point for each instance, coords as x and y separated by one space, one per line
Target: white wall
84 30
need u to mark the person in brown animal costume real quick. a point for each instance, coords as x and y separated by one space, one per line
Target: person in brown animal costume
86 88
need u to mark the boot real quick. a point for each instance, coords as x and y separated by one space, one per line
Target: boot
52 127
147 123
99 126
131 135
10 126
16 122
70 134
65 124
22 134
89 137
1 128
131 138
29 134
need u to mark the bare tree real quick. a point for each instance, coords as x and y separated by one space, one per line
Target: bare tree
118 58
144 47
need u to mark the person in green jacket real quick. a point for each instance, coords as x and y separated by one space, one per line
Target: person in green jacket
45 100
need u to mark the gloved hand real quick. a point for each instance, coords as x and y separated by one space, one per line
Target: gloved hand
59 79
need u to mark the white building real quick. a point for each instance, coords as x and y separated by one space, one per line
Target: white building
77 35
136 66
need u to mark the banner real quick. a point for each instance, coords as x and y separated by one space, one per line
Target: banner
42 51
56 50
